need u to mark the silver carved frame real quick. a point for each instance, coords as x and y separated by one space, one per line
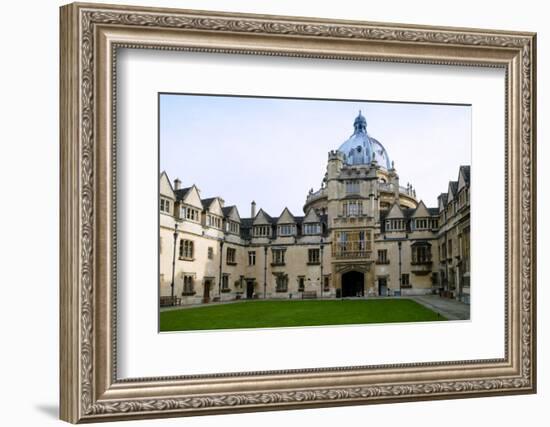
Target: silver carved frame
90 36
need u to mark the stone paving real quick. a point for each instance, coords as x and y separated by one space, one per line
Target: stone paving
449 308
210 304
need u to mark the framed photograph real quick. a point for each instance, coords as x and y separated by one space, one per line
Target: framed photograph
362 247
266 212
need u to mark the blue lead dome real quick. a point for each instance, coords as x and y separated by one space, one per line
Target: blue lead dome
362 149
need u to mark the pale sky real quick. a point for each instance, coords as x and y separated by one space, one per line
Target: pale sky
274 150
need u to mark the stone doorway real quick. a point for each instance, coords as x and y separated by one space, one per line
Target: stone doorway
353 284
249 289
206 292
382 287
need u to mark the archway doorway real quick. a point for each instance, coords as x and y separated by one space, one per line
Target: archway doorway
353 284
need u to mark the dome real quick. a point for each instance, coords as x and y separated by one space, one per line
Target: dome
380 154
361 149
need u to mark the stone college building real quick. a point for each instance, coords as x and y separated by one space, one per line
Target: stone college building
362 235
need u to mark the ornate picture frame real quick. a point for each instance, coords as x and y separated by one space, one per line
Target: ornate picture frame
90 37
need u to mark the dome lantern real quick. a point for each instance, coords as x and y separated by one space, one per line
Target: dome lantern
360 124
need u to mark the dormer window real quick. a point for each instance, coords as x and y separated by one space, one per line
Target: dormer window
395 224
165 205
262 230
214 221
314 228
287 230
420 224
192 214
232 227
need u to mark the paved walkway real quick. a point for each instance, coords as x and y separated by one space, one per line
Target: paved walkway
450 308
210 304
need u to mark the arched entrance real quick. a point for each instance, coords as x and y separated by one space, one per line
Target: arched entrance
353 284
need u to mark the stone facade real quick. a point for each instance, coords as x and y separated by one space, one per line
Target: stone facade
362 234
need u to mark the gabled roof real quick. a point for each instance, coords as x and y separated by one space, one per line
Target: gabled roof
311 216
182 192
262 218
453 186
465 170
163 174
442 201
395 212
463 177
213 205
286 217
189 195
165 185
232 213
207 202
421 210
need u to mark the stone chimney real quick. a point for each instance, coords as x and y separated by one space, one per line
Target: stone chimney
253 209
177 184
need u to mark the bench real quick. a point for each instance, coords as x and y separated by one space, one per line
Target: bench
169 301
309 295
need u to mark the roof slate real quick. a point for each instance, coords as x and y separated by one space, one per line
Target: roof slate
227 210
207 202
466 173
182 192
453 185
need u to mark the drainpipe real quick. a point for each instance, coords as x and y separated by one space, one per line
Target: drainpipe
172 285
322 281
221 259
265 271
446 284
400 276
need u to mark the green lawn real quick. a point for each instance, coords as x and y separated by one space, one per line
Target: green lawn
268 314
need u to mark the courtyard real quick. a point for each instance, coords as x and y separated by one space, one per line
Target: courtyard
285 313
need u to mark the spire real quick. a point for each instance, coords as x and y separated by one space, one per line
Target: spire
360 123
